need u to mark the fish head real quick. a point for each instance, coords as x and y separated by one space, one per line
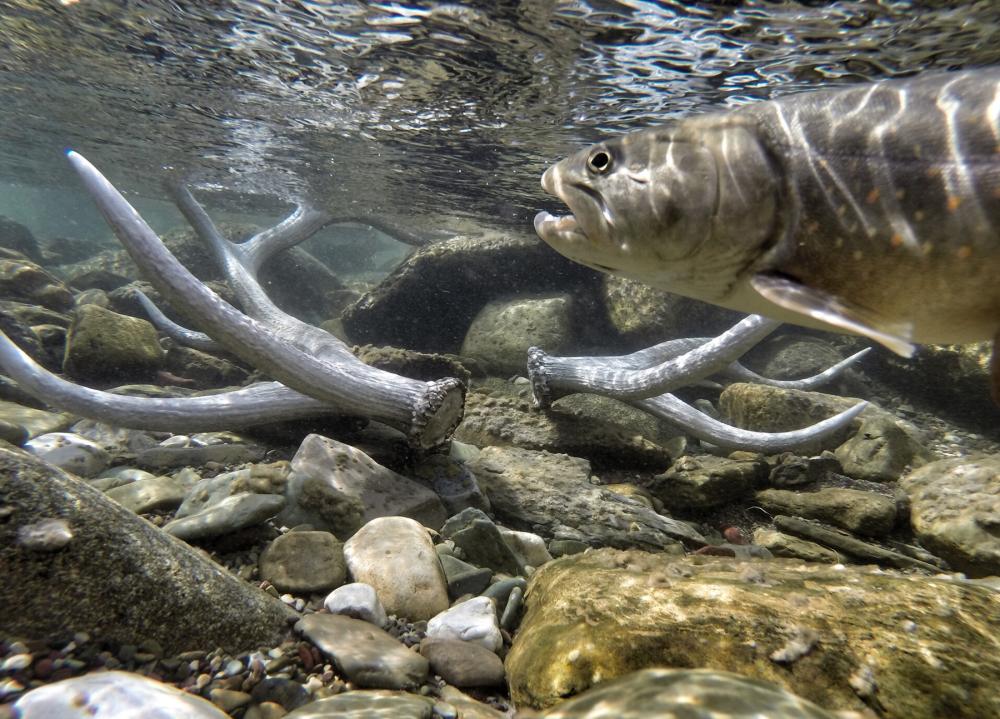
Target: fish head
684 207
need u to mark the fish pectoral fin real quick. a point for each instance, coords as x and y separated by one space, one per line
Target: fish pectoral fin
822 306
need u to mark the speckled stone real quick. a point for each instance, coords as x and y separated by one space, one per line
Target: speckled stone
304 562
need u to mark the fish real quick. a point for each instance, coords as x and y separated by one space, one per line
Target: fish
871 209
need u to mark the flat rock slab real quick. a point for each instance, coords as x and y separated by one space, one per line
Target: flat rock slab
34 421
684 693
552 494
602 430
365 654
955 511
118 577
844 638
865 513
230 515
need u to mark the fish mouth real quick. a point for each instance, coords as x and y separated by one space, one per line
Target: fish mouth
562 228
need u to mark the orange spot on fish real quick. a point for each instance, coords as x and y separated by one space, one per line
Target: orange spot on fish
919 215
953 202
964 252
872 197
812 227
896 240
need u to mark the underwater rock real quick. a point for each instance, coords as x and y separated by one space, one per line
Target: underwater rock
206 370
473 621
955 511
866 513
645 316
851 546
964 395
24 281
409 363
148 495
269 478
165 457
463 664
552 494
337 487
706 481
364 654
70 452
304 562
676 693
481 542
358 600
395 555
784 545
603 614
226 517
106 695
528 545
775 409
105 346
451 481
792 355
429 301
463 578
366 704
880 451
92 585
600 429
17 237
502 332
34 422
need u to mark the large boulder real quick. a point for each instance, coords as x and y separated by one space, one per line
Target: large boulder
845 638
102 570
955 511
105 346
429 301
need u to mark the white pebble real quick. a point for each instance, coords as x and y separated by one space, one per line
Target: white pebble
15 662
474 621
70 452
358 600
178 440
47 535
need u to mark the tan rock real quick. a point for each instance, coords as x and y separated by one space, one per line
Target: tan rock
839 637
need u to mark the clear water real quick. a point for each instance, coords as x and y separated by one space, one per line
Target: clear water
437 114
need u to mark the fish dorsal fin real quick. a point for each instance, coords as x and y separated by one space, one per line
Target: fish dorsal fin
820 305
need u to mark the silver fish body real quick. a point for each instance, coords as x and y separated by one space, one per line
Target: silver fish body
873 209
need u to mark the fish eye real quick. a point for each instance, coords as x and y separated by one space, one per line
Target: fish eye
599 162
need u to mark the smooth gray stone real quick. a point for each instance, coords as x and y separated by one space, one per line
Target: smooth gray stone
481 542
463 664
363 653
500 591
146 495
849 544
463 578
229 515
185 601
166 457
